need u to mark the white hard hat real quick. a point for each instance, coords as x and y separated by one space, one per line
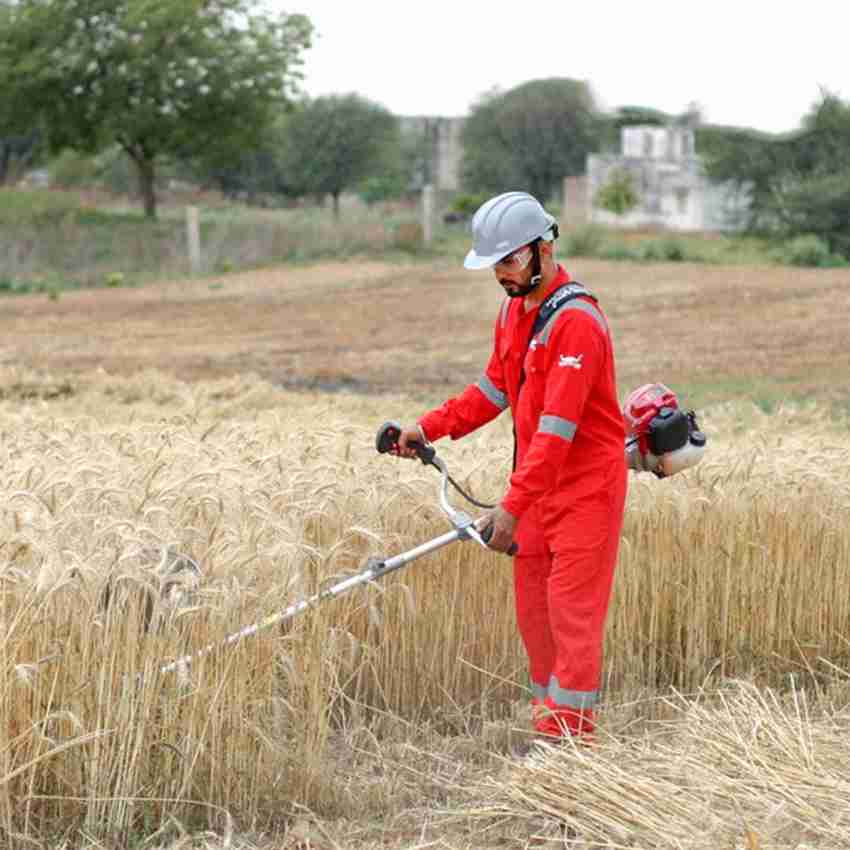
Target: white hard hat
505 223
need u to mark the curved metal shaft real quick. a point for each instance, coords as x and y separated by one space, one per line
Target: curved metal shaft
376 568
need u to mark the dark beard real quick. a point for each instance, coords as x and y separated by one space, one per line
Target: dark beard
521 290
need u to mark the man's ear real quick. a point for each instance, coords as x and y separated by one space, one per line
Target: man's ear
547 249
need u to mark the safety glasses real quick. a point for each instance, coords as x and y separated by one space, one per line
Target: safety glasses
516 260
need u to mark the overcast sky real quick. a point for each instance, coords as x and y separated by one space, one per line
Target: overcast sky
753 63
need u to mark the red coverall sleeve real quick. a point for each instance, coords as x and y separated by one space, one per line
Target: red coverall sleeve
575 356
477 405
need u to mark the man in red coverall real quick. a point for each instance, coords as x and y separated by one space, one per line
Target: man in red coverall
564 505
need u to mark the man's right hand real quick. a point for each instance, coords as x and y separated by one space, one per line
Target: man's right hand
408 435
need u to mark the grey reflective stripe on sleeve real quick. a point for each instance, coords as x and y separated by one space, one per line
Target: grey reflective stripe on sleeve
557 426
492 392
584 307
564 698
539 691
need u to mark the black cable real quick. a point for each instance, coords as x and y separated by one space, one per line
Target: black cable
462 491
468 497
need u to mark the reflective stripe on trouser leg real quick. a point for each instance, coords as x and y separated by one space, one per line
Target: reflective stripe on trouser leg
577 700
567 712
538 692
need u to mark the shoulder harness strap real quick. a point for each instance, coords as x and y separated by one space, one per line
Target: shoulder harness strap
564 293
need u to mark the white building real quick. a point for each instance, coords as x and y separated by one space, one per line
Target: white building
667 175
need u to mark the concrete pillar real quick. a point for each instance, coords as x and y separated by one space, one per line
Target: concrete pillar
427 214
575 206
193 239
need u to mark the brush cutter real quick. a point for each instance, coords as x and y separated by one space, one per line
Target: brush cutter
464 528
661 438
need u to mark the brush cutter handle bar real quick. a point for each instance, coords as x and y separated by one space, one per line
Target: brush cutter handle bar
388 437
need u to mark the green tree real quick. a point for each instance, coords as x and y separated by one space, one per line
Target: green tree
798 182
750 160
814 198
336 142
159 79
249 174
530 137
618 194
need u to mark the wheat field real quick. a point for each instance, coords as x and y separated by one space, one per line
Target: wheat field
387 717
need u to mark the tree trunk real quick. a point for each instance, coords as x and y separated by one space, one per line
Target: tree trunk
147 174
335 196
5 158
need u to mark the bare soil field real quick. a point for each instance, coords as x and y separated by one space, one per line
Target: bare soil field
424 329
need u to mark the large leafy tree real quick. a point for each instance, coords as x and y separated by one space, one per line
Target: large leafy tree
333 143
159 79
530 137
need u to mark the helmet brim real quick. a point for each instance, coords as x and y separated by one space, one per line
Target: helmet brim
475 262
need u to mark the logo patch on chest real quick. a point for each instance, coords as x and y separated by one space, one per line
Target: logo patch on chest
569 360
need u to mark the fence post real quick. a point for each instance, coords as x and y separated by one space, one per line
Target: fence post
193 239
427 214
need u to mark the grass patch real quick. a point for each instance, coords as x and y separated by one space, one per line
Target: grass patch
809 250
51 286
34 205
635 246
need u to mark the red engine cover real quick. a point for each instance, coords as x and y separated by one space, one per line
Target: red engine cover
642 406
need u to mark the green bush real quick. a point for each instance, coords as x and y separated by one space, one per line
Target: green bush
381 188
618 195
809 250
71 170
116 172
586 241
618 252
35 206
668 250
13 286
467 204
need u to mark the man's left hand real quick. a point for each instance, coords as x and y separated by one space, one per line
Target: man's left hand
503 525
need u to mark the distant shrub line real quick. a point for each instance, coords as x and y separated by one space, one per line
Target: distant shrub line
601 243
49 242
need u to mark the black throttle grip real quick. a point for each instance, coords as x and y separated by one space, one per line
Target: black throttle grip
488 533
388 437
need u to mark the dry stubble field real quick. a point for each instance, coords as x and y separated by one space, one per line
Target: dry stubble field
135 419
